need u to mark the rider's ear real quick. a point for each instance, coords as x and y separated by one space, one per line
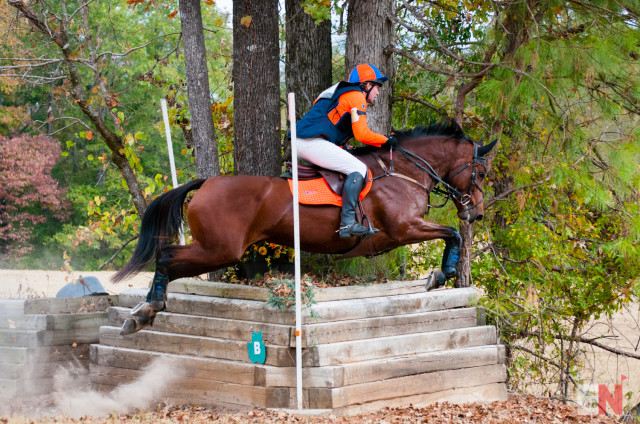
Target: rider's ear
483 150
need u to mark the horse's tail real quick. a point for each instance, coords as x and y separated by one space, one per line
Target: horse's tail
160 224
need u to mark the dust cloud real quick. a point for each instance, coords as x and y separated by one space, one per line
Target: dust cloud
74 397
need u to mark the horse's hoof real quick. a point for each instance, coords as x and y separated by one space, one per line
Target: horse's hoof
157 305
435 280
129 327
143 310
135 324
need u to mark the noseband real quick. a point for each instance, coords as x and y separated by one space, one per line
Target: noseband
449 192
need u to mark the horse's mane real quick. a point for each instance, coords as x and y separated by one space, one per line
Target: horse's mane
445 127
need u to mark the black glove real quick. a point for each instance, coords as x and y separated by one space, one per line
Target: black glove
391 142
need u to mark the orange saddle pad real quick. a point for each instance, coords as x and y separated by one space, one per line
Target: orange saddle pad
318 192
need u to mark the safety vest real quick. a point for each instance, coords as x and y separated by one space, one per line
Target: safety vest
316 122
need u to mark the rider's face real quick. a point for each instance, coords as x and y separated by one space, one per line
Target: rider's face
373 93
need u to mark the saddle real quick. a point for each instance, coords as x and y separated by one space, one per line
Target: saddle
319 186
334 179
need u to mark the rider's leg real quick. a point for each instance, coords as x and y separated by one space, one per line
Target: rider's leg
349 226
327 155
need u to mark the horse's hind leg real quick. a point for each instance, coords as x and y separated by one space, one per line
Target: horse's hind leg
144 313
175 262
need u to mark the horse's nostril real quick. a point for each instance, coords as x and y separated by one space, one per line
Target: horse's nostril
479 217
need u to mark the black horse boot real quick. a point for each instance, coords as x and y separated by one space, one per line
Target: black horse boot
349 227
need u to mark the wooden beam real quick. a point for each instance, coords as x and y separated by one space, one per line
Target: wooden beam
275 334
407 386
368 328
389 347
207 347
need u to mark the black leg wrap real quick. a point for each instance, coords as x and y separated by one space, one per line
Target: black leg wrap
158 291
451 256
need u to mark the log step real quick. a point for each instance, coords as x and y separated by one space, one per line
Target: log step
230 329
369 328
23 322
340 310
207 347
389 347
237 291
198 389
66 305
407 386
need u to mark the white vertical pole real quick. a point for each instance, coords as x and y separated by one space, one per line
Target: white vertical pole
174 176
296 246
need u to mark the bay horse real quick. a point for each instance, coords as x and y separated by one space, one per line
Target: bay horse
227 214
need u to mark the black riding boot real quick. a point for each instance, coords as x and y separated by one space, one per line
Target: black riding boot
349 227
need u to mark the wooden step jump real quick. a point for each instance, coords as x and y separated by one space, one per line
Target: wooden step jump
38 336
364 347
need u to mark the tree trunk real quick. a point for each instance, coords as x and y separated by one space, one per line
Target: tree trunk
198 93
369 32
256 82
113 141
308 59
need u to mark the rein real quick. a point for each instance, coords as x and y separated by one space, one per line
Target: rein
449 192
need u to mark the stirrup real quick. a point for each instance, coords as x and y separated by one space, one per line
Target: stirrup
356 230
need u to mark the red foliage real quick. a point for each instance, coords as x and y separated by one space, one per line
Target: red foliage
27 189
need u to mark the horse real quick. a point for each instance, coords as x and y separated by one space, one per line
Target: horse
227 214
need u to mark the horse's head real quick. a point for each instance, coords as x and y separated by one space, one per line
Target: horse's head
467 180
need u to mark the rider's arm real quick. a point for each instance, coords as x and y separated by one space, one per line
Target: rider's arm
355 103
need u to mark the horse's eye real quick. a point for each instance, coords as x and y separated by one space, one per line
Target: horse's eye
481 175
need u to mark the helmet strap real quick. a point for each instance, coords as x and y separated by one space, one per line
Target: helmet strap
365 90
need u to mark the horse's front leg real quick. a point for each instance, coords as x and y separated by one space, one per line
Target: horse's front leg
423 230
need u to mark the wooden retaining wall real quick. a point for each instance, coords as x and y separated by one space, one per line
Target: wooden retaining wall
39 335
364 347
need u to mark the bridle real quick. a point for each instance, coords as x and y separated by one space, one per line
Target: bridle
449 192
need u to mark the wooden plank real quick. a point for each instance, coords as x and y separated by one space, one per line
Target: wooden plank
383 369
48 354
192 367
69 305
392 288
26 387
217 289
249 310
23 322
483 393
407 386
193 345
389 347
245 310
21 338
340 331
69 337
11 307
13 354
238 291
57 322
216 391
223 328
342 310
39 369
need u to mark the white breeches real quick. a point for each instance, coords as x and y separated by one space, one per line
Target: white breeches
327 155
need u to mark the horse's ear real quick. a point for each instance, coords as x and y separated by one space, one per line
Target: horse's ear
483 150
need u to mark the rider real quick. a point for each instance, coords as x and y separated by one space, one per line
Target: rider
338 115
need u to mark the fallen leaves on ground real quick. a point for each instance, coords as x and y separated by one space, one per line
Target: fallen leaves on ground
517 409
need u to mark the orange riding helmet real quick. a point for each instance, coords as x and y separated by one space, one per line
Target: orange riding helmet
367 73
